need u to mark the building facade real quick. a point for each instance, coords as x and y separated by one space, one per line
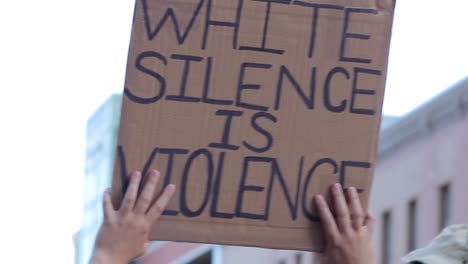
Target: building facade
421 175
186 253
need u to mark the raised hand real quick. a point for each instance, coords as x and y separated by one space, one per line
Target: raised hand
348 237
123 235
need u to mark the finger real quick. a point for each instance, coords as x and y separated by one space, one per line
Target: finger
146 195
326 218
355 208
161 203
341 208
108 209
131 193
370 223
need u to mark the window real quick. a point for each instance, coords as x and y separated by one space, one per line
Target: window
386 237
315 259
444 206
203 259
412 223
298 258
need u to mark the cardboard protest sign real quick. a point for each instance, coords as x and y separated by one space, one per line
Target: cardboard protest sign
251 107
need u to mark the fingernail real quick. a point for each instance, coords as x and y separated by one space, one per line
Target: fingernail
154 173
136 174
352 190
171 187
337 187
318 198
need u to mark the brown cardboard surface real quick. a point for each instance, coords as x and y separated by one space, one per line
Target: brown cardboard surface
252 107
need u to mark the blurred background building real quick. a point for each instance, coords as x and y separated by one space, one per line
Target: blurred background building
421 175
101 139
419 186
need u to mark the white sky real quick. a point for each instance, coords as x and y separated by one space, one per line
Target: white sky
60 59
